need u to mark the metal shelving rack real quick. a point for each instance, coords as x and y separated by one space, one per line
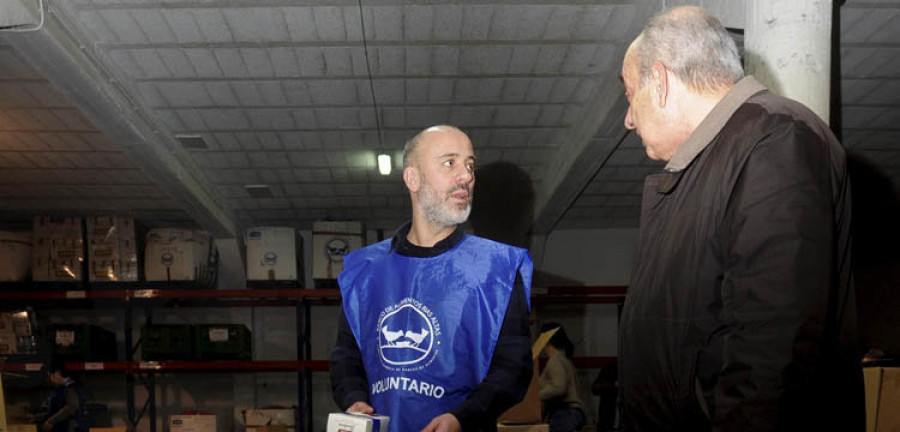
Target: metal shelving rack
150 295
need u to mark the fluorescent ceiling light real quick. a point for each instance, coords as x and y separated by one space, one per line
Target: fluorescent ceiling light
384 164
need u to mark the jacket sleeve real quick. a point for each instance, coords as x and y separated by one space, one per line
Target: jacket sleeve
553 379
777 240
349 383
68 410
510 371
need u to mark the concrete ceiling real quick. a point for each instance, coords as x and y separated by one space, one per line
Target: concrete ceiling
280 92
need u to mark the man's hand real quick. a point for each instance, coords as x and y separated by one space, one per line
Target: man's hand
47 427
361 407
443 423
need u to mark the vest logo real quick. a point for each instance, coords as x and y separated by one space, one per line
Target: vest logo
408 335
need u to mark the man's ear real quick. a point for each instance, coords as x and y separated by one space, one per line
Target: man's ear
660 81
411 178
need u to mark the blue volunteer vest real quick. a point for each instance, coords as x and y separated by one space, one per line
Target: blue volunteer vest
427 327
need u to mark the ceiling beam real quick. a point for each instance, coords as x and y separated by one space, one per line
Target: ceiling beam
588 145
66 61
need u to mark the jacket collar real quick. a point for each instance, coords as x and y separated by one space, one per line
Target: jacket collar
713 123
401 245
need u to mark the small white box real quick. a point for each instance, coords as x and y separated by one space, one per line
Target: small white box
192 423
343 422
271 253
331 241
15 256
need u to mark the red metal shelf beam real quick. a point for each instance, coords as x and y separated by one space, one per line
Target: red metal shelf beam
180 366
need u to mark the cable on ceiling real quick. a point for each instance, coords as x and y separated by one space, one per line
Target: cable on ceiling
362 22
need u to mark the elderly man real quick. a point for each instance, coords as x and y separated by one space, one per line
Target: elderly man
740 312
434 330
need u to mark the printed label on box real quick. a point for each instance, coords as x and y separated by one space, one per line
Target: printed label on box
218 335
65 337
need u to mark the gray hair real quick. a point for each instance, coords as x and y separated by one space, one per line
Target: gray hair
409 149
694 45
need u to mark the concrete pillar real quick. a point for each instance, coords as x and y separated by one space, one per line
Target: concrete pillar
787 47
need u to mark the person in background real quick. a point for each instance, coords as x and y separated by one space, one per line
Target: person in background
66 407
740 314
606 388
562 407
434 328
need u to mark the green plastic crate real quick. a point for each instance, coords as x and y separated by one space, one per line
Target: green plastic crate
222 342
167 342
81 342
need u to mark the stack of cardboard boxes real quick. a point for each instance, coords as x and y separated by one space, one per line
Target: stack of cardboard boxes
112 252
16 333
15 256
276 419
192 423
57 249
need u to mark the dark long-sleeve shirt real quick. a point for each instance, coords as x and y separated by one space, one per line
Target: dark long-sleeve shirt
511 365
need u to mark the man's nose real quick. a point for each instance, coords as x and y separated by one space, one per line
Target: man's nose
465 175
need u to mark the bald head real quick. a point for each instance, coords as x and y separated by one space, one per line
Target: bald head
693 44
410 150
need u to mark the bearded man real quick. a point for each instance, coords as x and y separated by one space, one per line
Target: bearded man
434 330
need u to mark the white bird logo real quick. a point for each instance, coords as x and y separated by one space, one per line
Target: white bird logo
411 339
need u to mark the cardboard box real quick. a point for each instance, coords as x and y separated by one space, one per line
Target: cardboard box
8 342
15 256
271 253
57 249
269 428
178 255
22 428
882 399
529 409
269 416
192 423
331 241
343 422
112 255
17 322
541 427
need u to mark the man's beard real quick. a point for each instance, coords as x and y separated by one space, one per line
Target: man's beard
436 208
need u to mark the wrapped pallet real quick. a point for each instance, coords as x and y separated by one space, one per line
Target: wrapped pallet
57 249
112 252
174 254
15 256
271 254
